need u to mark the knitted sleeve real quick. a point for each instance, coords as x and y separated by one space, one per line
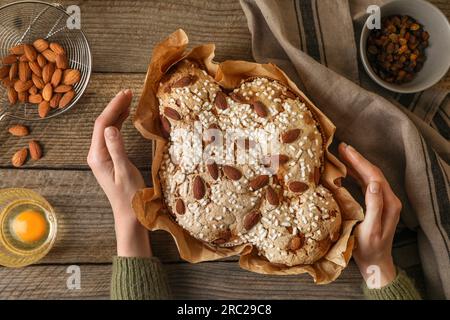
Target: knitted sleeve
402 288
138 279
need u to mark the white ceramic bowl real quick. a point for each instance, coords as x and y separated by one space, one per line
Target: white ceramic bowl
438 52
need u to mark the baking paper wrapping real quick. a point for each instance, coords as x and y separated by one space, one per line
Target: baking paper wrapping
149 204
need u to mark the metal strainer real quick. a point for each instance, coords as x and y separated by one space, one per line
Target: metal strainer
26 21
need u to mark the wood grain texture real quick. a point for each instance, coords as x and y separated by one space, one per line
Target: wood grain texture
122 34
199 281
66 139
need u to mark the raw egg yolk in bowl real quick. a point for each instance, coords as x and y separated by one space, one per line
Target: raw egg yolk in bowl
29 226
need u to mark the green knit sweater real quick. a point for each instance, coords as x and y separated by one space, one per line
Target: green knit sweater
144 279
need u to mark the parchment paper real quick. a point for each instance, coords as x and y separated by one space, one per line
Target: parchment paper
149 204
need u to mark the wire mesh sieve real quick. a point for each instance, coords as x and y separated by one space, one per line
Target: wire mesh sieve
26 21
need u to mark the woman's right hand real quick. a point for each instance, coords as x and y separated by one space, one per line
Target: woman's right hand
374 236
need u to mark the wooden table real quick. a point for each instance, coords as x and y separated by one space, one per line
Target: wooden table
122 35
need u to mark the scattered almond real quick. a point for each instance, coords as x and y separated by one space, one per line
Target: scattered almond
4 72
19 130
21 86
33 90
260 109
185 81
17 50
165 127
13 70
61 62
41 60
24 71
12 95
19 157
54 102
56 78
23 96
296 242
35 150
37 81
47 72
220 101
9 59
272 196
43 109
35 68
213 170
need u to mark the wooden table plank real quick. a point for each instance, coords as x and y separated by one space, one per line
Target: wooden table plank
220 280
66 139
122 33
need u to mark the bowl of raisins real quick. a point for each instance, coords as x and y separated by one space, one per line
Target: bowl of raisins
410 52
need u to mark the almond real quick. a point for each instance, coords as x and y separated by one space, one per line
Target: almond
272 196
33 90
56 78
40 45
179 207
289 94
35 98
54 103
259 182
66 98
165 127
13 71
12 95
290 135
41 60
17 50
9 59
19 157
23 96
43 109
30 52
172 113
62 88
220 101
35 68
238 97
4 72
38 82
260 109
71 76
298 186
251 219
296 242
213 170
198 188
47 92
49 55
47 72
224 237
232 173
24 71
21 86
61 61
185 81
23 58
19 130
35 150
8 83
57 48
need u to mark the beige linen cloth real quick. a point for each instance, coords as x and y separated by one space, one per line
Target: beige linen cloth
315 42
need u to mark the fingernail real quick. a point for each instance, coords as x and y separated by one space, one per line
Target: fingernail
374 187
127 92
119 93
111 132
344 144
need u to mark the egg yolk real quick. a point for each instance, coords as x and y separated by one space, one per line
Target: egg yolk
29 226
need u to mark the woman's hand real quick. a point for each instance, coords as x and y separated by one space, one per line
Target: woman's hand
376 233
118 177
